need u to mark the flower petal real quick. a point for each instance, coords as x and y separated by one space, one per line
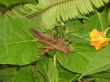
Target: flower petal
98 39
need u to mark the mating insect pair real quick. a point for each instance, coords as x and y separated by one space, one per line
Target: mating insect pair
52 42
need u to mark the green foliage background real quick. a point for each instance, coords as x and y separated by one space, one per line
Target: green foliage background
70 20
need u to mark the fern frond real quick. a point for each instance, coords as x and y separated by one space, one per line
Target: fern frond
48 12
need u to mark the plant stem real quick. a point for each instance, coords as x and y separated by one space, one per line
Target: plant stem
106 30
101 24
74 77
54 60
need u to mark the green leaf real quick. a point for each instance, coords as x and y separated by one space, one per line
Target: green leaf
79 32
100 80
8 3
48 69
84 58
49 12
99 62
77 60
105 75
54 72
7 74
17 46
27 74
65 75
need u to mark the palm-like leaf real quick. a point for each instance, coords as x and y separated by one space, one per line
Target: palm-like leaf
47 12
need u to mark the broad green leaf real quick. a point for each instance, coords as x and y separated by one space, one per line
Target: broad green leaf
65 75
99 62
77 60
48 69
7 74
17 45
84 58
27 74
52 72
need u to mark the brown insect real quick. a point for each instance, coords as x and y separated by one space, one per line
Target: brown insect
52 42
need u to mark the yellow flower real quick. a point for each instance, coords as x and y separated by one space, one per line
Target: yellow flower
98 39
